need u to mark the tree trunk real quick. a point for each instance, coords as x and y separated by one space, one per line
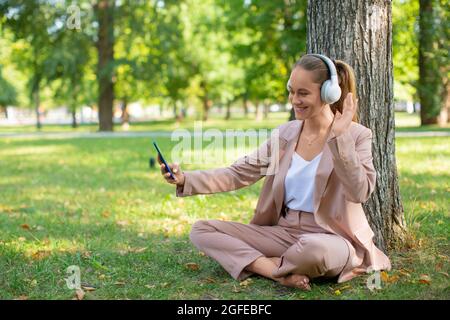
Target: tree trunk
206 102
228 113
5 111
105 47
37 104
206 106
245 102
266 110
360 33
429 79
175 110
125 116
258 116
74 118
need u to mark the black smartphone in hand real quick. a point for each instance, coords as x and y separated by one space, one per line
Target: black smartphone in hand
164 161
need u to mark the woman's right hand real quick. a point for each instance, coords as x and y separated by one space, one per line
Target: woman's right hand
177 173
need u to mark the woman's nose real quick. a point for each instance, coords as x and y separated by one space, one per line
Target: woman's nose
296 99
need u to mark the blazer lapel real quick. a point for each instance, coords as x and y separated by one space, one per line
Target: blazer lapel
323 171
285 162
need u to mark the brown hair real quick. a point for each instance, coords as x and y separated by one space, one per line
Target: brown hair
346 78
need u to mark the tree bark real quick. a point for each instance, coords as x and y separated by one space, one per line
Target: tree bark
105 47
360 33
429 80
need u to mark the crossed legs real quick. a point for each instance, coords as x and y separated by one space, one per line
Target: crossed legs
270 251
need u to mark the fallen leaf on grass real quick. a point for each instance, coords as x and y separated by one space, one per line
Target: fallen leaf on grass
40 254
106 214
22 297
122 223
210 280
245 283
444 273
192 266
403 272
425 279
25 226
119 283
87 287
138 250
385 277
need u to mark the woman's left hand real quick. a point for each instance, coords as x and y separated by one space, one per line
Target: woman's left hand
341 122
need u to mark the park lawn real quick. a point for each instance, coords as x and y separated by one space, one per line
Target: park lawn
403 122
96 204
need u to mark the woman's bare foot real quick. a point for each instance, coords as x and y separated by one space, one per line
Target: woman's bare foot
292 280
296 281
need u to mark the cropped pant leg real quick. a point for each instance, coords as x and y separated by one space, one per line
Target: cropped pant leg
235 245
314 255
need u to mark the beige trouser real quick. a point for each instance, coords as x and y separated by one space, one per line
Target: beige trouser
304 247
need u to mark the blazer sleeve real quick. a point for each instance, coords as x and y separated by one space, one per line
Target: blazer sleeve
353 164
243 172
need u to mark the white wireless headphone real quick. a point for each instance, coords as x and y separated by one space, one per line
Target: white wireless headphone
330 92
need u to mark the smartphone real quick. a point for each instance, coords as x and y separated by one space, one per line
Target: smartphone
164 161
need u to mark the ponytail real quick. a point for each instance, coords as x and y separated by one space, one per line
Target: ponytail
347 82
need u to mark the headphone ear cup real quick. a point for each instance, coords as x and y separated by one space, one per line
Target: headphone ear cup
330 93
324 91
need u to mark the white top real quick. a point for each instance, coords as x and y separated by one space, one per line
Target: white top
299 183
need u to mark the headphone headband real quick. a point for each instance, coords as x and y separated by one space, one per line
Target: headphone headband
329 63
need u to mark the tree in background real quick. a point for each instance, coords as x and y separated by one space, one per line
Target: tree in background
32 43
433 61
69 67
104 12
405 49
360 33
8 94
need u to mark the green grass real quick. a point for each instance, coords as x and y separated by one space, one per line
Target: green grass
95 203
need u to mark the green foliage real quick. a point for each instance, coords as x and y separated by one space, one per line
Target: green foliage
8 94
405 15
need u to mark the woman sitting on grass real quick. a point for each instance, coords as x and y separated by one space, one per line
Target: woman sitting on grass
309 221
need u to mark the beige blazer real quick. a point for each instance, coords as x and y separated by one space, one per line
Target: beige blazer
344 180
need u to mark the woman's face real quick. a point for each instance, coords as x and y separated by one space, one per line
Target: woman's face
304 94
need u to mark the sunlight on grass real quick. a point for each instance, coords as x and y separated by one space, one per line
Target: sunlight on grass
97 204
